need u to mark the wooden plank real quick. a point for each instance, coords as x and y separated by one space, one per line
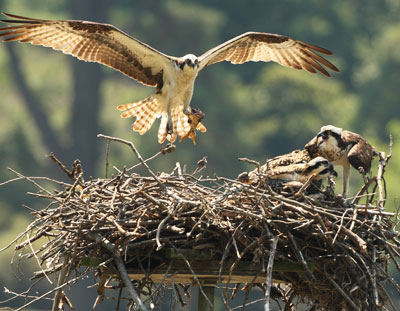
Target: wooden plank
208 272
205 279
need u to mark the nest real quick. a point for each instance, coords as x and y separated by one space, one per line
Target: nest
146 234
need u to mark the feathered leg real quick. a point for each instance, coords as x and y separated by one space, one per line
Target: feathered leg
173 121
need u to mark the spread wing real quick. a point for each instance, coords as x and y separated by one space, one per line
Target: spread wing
361 153
91 42
266 47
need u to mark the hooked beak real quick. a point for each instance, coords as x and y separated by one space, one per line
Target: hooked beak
194 65
321 137
332 171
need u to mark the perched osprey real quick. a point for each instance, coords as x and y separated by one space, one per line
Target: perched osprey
343 148
173 77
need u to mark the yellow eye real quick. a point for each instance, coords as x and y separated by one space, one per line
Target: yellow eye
329 132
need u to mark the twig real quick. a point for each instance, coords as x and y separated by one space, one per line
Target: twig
51 291
341 291
107 156
305 185
373 273
121 267
300 256
130 144
168 148
160 226
194 274
382 164
37 259
354 237
269 272
340 226
250 161
61 280
69 173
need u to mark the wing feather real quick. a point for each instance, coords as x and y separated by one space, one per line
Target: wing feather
361 153
258 46
292 59
92 42
309 60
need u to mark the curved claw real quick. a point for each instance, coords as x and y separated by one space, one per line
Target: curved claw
187 110
170 125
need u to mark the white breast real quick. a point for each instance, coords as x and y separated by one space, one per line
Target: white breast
331 151
179 84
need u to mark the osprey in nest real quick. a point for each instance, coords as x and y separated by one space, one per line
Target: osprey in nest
291 174
344 148
172 76
338 146
319 167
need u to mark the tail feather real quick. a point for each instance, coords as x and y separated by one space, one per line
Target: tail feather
145 119
183 126
171 137
174 116
145 111
162 130
180 125
180 121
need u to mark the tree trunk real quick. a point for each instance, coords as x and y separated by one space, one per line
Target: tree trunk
87 100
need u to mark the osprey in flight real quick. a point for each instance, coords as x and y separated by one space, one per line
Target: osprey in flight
343 148
173 77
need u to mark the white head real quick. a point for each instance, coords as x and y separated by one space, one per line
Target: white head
327 171
331 128
188 61
320 166
328 138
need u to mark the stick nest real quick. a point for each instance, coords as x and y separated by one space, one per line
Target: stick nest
113 226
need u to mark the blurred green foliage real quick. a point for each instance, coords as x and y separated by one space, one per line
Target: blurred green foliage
254 110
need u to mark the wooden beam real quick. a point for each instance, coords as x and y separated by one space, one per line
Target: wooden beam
209 272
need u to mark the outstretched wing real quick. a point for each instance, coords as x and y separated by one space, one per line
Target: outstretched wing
266 47
91 42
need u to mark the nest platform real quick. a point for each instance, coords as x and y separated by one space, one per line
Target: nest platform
140 235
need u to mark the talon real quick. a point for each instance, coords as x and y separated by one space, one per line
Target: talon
187 110
170 127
